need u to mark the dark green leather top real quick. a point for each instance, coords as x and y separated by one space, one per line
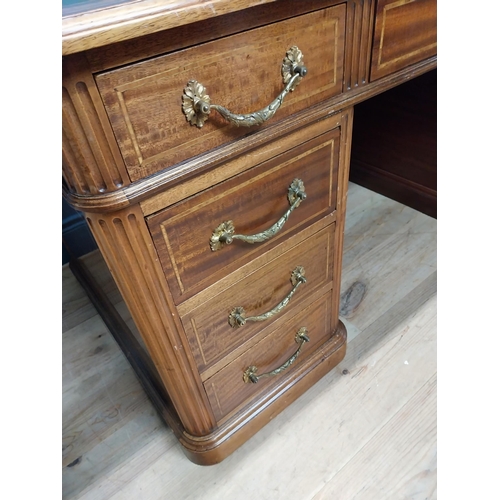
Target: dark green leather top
80 6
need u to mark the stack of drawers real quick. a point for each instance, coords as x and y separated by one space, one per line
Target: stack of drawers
286 282
256 314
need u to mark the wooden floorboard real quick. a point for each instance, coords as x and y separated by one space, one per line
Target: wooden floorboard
366 431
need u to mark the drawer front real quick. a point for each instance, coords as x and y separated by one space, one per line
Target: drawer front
186 236
240 72
227 390
210 334
405 33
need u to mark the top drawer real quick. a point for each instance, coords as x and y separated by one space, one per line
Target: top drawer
405 33
240 72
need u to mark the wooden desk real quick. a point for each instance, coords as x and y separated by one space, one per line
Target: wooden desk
225 240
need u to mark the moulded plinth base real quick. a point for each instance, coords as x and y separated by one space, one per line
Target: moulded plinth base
219 444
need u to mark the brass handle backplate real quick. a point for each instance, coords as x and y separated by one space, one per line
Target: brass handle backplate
196 104
224 233
238 317
250 374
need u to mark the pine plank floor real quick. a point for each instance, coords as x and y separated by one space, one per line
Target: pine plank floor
366 431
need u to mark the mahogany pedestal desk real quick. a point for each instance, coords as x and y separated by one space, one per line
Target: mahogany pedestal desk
208 145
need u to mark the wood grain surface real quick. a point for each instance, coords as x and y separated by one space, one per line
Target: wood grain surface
103 26
405 33
226 390
126 246
259 289
241 72
253 201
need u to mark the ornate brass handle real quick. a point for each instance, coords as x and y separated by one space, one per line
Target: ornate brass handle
224 232
238 318
196 102
249 375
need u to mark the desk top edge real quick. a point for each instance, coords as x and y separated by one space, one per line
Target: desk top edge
123 21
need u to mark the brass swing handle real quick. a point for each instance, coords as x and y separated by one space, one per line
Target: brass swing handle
196 102
224 232
249 375
238 318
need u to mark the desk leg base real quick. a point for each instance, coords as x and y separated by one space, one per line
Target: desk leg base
215 447
219 444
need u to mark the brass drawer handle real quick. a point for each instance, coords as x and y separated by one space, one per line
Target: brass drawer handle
224 232
196 102
249 375
237 316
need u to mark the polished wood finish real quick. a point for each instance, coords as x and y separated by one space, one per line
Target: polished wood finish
265 145
405 33
125 242
151 185
104 26
258 198
360 16
92 163
123 238
394 148
211 337
182 36
226 389
143 99
154 193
